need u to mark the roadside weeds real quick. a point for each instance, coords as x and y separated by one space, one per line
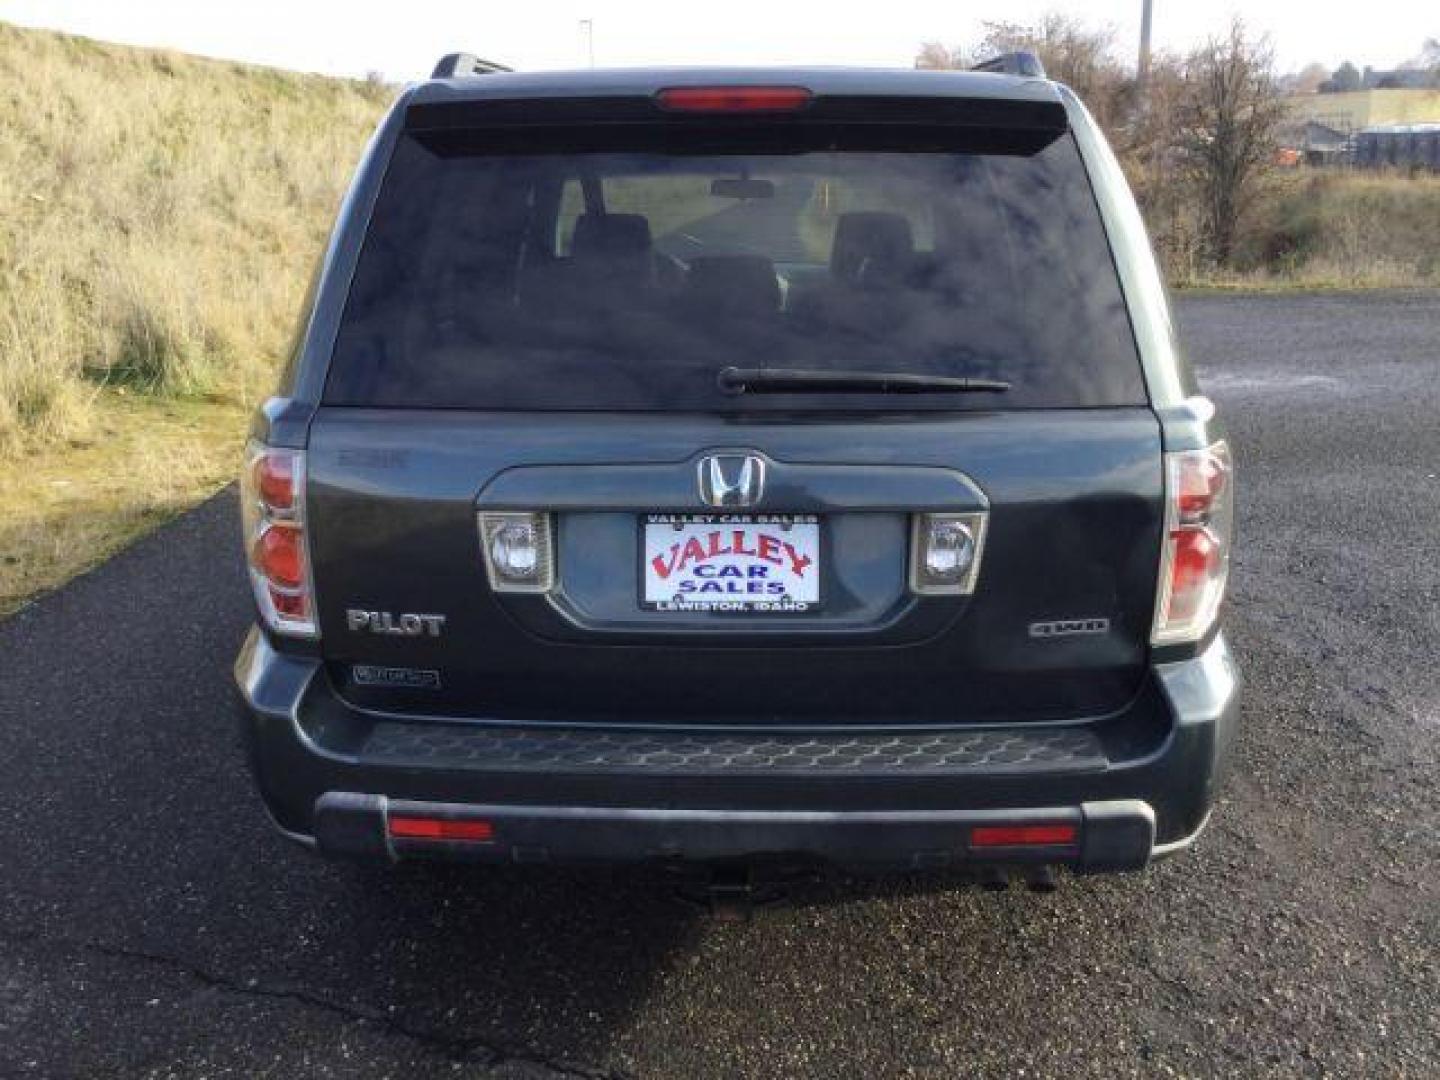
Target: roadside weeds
69 507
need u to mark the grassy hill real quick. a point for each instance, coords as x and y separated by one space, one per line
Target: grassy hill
159 216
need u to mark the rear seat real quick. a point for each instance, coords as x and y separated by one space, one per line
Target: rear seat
611 265
732 287
617 246
872 263
872 250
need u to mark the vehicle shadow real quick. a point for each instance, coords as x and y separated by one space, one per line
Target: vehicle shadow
539 963
546 964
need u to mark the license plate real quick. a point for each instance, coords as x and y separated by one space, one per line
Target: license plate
730 562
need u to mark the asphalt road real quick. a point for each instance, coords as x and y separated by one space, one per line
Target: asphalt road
152 925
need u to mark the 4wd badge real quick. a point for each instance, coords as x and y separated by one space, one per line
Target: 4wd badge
1069 628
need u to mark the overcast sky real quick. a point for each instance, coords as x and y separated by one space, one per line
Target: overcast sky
403 40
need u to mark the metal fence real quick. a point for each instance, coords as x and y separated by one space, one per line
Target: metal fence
1397 145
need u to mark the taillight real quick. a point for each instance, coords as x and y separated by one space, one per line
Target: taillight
733 99
278 556
272 497
1195 558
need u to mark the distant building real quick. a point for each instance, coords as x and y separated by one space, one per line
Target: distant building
1398 78
1405 146
1315 143
1350 112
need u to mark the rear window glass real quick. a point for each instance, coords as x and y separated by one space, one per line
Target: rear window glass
627 280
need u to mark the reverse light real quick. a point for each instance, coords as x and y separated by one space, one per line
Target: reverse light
515 550
518 551
1195 557
272 507
945 552
949 549
733 99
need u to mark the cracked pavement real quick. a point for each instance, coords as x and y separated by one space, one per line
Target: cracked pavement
152 925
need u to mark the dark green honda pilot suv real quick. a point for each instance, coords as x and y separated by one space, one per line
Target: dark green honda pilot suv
717 466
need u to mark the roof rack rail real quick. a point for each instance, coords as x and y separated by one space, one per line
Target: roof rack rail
458 65
1019 62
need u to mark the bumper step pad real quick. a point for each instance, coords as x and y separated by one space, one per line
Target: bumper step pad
578 749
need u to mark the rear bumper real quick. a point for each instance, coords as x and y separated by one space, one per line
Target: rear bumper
1134 784
1116 835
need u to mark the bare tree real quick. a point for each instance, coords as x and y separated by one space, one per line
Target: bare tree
1077 54
936 57
1307 80
1146 145
1426 60
1346 78
1196 147
1081 56
1228 120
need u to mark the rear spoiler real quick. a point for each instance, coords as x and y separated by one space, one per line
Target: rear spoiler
459 65
603 118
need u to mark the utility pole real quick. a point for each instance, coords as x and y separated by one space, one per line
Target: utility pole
1142 75
587 37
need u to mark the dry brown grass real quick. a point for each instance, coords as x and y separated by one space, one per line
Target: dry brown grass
72 504
1337 228
158 216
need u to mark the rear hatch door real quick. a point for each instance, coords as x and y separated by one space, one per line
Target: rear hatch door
561 324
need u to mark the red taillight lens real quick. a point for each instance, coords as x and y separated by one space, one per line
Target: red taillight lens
993 836
429 828
1195 560
275 481
280 556
733 99
290 605
272 497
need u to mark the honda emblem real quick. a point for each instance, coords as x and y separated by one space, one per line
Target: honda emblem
731 480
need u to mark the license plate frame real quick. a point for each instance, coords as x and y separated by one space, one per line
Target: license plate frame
793 558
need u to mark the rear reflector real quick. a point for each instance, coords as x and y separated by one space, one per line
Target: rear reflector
733 99
989 836
429 828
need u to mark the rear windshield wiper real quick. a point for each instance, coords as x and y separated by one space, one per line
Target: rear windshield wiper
735 380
